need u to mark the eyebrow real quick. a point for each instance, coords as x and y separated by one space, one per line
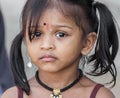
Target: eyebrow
59 26
65 26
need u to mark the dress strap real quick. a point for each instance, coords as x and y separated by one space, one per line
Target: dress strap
20 93
95 90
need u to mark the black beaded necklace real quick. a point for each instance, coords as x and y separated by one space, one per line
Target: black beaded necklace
56 93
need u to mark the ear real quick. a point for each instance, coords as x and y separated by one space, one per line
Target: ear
89 43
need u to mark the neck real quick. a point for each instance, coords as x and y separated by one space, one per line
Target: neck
59 79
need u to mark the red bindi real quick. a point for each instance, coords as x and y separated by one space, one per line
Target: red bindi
46 25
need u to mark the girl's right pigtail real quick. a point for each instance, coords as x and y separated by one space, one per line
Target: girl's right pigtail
17 64
107 43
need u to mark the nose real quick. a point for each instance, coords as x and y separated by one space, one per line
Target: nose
47 43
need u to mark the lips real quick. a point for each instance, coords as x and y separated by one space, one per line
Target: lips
48 58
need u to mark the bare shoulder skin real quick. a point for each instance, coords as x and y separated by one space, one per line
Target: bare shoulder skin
11 93
103 92
84 87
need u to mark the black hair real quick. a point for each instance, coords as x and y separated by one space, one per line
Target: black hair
83 12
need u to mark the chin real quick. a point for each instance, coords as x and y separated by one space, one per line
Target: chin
50 69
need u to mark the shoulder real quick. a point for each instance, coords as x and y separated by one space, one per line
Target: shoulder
104 93
11 93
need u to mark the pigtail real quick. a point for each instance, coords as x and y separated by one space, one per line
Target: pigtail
17 64
107 43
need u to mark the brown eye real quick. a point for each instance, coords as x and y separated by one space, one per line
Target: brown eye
60 34
36 34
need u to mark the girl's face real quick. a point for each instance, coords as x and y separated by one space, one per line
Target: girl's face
57 43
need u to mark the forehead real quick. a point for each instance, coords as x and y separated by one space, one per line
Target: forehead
52 12
52 19
53 16
63 8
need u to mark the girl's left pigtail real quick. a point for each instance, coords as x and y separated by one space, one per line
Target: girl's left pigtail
107 42
17 64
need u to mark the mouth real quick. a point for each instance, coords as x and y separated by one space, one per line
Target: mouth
48 58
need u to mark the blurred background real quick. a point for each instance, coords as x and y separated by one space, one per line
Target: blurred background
11 10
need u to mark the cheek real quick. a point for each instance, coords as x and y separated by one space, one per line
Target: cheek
73 45
71 48
32 51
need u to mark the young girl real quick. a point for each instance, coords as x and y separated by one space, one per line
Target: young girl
59 34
